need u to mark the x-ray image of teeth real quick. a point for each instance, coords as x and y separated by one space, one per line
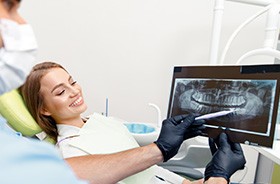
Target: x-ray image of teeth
251 99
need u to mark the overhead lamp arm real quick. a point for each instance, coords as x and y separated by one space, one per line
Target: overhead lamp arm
272 25
255 2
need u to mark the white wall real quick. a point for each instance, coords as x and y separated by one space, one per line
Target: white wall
126 50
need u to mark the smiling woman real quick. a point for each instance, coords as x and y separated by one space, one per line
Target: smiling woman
53 97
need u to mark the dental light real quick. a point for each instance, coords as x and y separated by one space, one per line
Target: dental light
271 32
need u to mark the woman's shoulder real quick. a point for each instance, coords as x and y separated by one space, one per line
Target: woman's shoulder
103 118
98 121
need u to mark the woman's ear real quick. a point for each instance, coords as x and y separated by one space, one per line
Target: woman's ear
45 112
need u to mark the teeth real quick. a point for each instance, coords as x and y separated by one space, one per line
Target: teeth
76 102
219 100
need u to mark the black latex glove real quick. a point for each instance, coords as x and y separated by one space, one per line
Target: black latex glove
227 158
174 131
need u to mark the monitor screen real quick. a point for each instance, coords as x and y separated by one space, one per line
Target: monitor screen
252 92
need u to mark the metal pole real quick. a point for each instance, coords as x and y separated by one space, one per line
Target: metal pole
216 31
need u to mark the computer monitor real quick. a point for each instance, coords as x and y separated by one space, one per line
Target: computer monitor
251 90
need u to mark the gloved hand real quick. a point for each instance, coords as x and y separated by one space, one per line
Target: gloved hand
227 158
174 131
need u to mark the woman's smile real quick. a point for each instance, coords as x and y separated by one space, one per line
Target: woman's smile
79 101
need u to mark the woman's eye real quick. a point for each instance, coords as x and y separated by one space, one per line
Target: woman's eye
73 83
61 92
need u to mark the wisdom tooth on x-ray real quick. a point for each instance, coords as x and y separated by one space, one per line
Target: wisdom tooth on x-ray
248 98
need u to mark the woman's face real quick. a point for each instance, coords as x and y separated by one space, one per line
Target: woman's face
63 98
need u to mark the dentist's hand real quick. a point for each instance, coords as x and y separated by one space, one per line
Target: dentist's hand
174 131
227 158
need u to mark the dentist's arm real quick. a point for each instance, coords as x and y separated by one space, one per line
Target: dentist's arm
111 168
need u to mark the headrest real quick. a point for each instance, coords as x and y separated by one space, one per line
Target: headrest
14 110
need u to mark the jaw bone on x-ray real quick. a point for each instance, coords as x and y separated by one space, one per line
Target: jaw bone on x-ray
202 90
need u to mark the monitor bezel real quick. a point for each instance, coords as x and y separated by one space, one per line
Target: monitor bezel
250 72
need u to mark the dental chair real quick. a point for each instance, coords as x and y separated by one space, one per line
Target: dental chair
13 109
191 159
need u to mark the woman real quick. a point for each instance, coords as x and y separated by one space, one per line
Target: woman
56 102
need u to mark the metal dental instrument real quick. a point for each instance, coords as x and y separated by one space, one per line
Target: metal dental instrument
214 115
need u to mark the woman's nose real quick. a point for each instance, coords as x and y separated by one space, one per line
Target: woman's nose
74 91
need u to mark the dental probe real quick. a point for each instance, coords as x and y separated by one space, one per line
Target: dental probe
214 115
